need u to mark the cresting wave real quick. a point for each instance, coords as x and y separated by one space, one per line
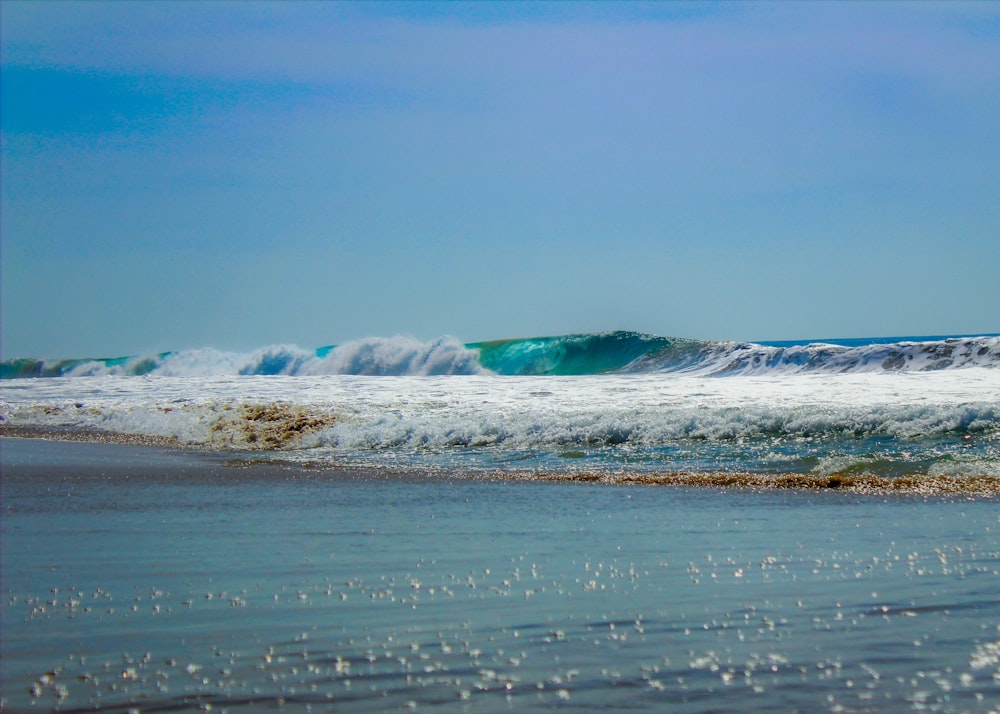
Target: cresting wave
619 352
375 356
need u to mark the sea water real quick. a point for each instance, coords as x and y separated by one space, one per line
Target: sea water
139 579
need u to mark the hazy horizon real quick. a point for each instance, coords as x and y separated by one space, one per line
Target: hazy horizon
236 175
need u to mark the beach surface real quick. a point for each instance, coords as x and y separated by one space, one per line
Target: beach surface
155 579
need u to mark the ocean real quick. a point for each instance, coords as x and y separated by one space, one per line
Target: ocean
587 522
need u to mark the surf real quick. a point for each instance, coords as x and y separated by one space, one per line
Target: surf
617 352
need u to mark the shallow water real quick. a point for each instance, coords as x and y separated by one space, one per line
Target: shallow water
156 580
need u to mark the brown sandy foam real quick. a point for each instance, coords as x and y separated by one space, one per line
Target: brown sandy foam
268 426
857 483
248 427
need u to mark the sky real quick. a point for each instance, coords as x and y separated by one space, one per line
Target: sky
180 175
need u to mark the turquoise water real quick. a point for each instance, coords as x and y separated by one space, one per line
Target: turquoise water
154 580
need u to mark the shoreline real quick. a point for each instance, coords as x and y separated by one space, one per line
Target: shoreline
170 452
92 436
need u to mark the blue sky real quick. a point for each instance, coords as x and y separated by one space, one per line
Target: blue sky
177 175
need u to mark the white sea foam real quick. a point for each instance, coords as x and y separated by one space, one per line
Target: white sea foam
397 356
907 356
798 416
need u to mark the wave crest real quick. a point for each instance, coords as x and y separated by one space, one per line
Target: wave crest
397 356
584 354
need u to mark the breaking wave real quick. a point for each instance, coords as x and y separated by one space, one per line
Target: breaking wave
619 352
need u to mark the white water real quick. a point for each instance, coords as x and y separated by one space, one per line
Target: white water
392 417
